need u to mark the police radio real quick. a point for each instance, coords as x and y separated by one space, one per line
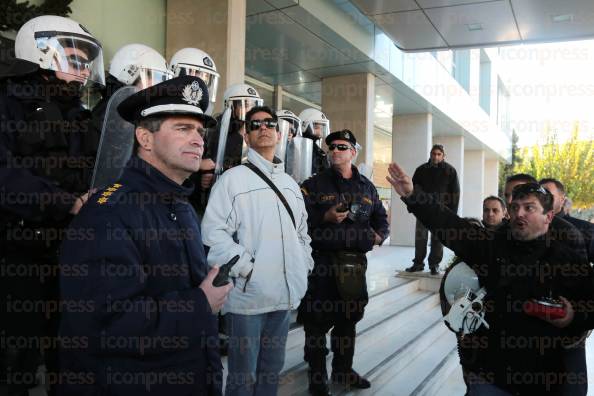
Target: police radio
222 277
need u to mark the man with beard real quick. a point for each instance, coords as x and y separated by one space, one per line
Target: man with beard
439 179
522 265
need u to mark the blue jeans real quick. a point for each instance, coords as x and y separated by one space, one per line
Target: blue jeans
256 352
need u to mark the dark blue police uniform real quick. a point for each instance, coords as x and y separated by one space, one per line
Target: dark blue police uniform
324 307
46 156
135 321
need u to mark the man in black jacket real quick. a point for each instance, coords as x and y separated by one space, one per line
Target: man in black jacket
518 264
346 219
140 314
47 151
586 228
439 179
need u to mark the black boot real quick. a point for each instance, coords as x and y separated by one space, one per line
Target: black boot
350 379
415 268
318 382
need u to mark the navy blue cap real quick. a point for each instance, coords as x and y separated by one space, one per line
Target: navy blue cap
345 134
184 95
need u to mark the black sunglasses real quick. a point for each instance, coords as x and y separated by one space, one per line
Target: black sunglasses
529 188
256 124
340 147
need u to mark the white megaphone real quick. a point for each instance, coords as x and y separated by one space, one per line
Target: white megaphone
463 309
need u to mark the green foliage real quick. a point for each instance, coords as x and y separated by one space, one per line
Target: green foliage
505 169
571 162
13 15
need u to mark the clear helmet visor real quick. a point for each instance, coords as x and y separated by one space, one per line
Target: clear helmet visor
210 78
318 128
241 106
73 58
289 127
149 77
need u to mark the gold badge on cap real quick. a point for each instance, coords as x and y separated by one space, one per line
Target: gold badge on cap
192 93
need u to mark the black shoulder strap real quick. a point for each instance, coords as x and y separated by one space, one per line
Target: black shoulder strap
282 198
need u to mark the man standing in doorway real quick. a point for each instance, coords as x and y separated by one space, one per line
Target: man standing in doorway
440 180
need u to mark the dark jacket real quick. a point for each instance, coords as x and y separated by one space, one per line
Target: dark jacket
46 158
98 112
233 152
587 230
441 181
47 151
321 192
130 272
319 160
519 349
328 189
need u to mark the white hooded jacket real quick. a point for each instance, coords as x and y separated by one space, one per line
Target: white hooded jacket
245 217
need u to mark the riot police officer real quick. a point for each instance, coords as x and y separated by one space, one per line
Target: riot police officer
133 64
346 219
195 62
238 100
316 126
46 154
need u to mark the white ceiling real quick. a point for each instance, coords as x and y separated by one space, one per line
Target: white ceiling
421 25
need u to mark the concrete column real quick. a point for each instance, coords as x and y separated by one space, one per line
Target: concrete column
454 150
474 183
491 177
215 26
278 97
348 101
411 142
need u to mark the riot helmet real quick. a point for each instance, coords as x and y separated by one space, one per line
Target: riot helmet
138 64
63 46
195 62
314 124
241 98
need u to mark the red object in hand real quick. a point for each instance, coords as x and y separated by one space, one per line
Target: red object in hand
545 308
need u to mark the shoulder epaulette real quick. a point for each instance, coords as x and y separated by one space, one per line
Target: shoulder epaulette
107 195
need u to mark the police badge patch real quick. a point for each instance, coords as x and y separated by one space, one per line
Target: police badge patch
252 91
207 61
192 93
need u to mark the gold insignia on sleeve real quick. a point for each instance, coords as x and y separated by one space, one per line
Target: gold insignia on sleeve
367 200
304 191
107 193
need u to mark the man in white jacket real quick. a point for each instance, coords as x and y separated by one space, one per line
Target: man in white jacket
245 216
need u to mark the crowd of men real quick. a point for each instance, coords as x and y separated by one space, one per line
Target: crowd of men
114 270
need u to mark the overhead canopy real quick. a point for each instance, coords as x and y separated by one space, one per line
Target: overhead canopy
422 25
